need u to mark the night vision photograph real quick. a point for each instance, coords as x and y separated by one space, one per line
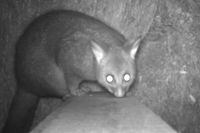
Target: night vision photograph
99 66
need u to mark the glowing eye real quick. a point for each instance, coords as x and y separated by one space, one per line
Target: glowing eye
109 78
127 77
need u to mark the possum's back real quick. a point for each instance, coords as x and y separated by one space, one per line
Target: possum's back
57 29
63 38
63 24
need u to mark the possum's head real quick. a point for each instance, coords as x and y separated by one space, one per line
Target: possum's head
115 67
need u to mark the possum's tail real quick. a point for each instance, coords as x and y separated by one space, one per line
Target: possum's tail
21 112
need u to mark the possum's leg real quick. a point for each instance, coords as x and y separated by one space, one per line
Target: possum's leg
73 85
21 113
88 86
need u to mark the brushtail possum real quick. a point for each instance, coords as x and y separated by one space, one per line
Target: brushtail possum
57 52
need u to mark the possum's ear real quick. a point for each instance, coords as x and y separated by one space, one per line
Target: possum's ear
97 51
134 47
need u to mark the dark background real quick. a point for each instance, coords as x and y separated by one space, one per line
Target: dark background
168 62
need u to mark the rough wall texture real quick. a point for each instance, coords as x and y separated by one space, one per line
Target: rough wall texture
168 62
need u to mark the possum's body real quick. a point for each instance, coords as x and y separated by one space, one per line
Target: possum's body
55 51
60 50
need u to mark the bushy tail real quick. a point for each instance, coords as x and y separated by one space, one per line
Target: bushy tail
21 112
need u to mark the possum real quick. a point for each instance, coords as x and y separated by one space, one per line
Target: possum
59 51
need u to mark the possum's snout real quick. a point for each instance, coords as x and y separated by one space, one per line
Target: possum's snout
118 92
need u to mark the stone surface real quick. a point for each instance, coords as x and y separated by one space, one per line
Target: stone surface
102 113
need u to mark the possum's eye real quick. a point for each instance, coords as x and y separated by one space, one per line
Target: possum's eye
109 78
127 77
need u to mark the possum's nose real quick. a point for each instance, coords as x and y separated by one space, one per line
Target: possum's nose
119 92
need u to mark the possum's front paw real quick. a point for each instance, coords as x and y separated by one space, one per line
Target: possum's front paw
82 91
87 87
